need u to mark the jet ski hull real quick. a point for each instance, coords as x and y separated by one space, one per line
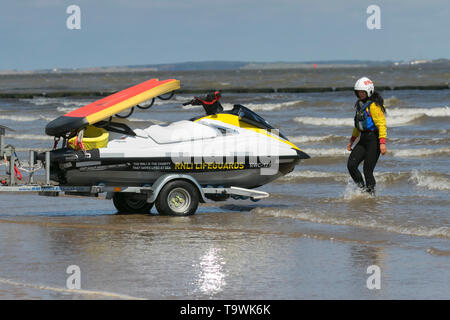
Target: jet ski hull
76 168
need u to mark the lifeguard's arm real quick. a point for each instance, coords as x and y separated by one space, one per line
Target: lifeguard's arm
380 121
355 134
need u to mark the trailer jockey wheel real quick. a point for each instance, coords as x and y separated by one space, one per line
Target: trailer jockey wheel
131 203
178 198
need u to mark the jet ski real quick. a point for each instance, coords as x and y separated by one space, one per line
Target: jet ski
225 148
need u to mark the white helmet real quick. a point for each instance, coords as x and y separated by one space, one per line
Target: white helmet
365 84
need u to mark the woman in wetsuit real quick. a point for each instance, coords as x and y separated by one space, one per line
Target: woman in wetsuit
370 125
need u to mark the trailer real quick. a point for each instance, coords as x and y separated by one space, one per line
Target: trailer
172 194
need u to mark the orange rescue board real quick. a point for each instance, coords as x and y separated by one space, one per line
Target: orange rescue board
110 105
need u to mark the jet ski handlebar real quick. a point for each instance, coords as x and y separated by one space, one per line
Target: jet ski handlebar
210 102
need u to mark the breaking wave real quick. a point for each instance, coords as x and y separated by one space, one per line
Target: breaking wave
308 175
399 153
328 152
273 106
391 121
420 141
408 153
429 180
25 118
429 112
424 179
316 139
357 221
393 101
76 103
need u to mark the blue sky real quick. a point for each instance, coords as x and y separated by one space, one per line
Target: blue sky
34 35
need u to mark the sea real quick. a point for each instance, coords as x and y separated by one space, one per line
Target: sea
316 237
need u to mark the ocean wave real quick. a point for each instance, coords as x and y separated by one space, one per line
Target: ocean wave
25 118
273 106
393 101
430 181
423 152
328 152
391 121
419 141
308 175
41 101
300 176
336 122
437 252
424 179
360 222
317 139
396 153
65 109
430 112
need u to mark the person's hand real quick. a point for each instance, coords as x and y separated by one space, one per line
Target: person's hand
349 146
383 149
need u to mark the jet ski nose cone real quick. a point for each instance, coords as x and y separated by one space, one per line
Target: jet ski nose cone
302 155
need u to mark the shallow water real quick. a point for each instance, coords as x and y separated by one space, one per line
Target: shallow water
313 238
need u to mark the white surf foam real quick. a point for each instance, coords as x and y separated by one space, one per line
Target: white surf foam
399 153
327 152
430 112
66 109
391 120
317 121
40 101
381 177
272 106
308 174
393 101
25 118
428 181
315 139
423 152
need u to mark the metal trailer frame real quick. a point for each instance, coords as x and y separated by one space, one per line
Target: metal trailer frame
151 191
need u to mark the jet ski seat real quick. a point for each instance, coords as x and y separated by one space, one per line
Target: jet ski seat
180 131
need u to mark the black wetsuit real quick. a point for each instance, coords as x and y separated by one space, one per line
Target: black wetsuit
367 150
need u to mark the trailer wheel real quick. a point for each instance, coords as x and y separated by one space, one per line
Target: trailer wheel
178 198
131 203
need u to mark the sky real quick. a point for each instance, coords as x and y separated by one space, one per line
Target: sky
34 33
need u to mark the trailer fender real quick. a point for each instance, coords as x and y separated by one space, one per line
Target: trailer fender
161 182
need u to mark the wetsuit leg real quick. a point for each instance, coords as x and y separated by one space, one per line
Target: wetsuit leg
370 160
358 154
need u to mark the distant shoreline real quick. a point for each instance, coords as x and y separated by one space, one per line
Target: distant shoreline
233 65
59 94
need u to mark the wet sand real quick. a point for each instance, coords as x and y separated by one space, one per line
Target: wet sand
223 252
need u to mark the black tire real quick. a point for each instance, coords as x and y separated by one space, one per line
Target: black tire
131 203
178 198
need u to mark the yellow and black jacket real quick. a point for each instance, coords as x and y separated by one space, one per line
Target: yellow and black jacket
377 116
